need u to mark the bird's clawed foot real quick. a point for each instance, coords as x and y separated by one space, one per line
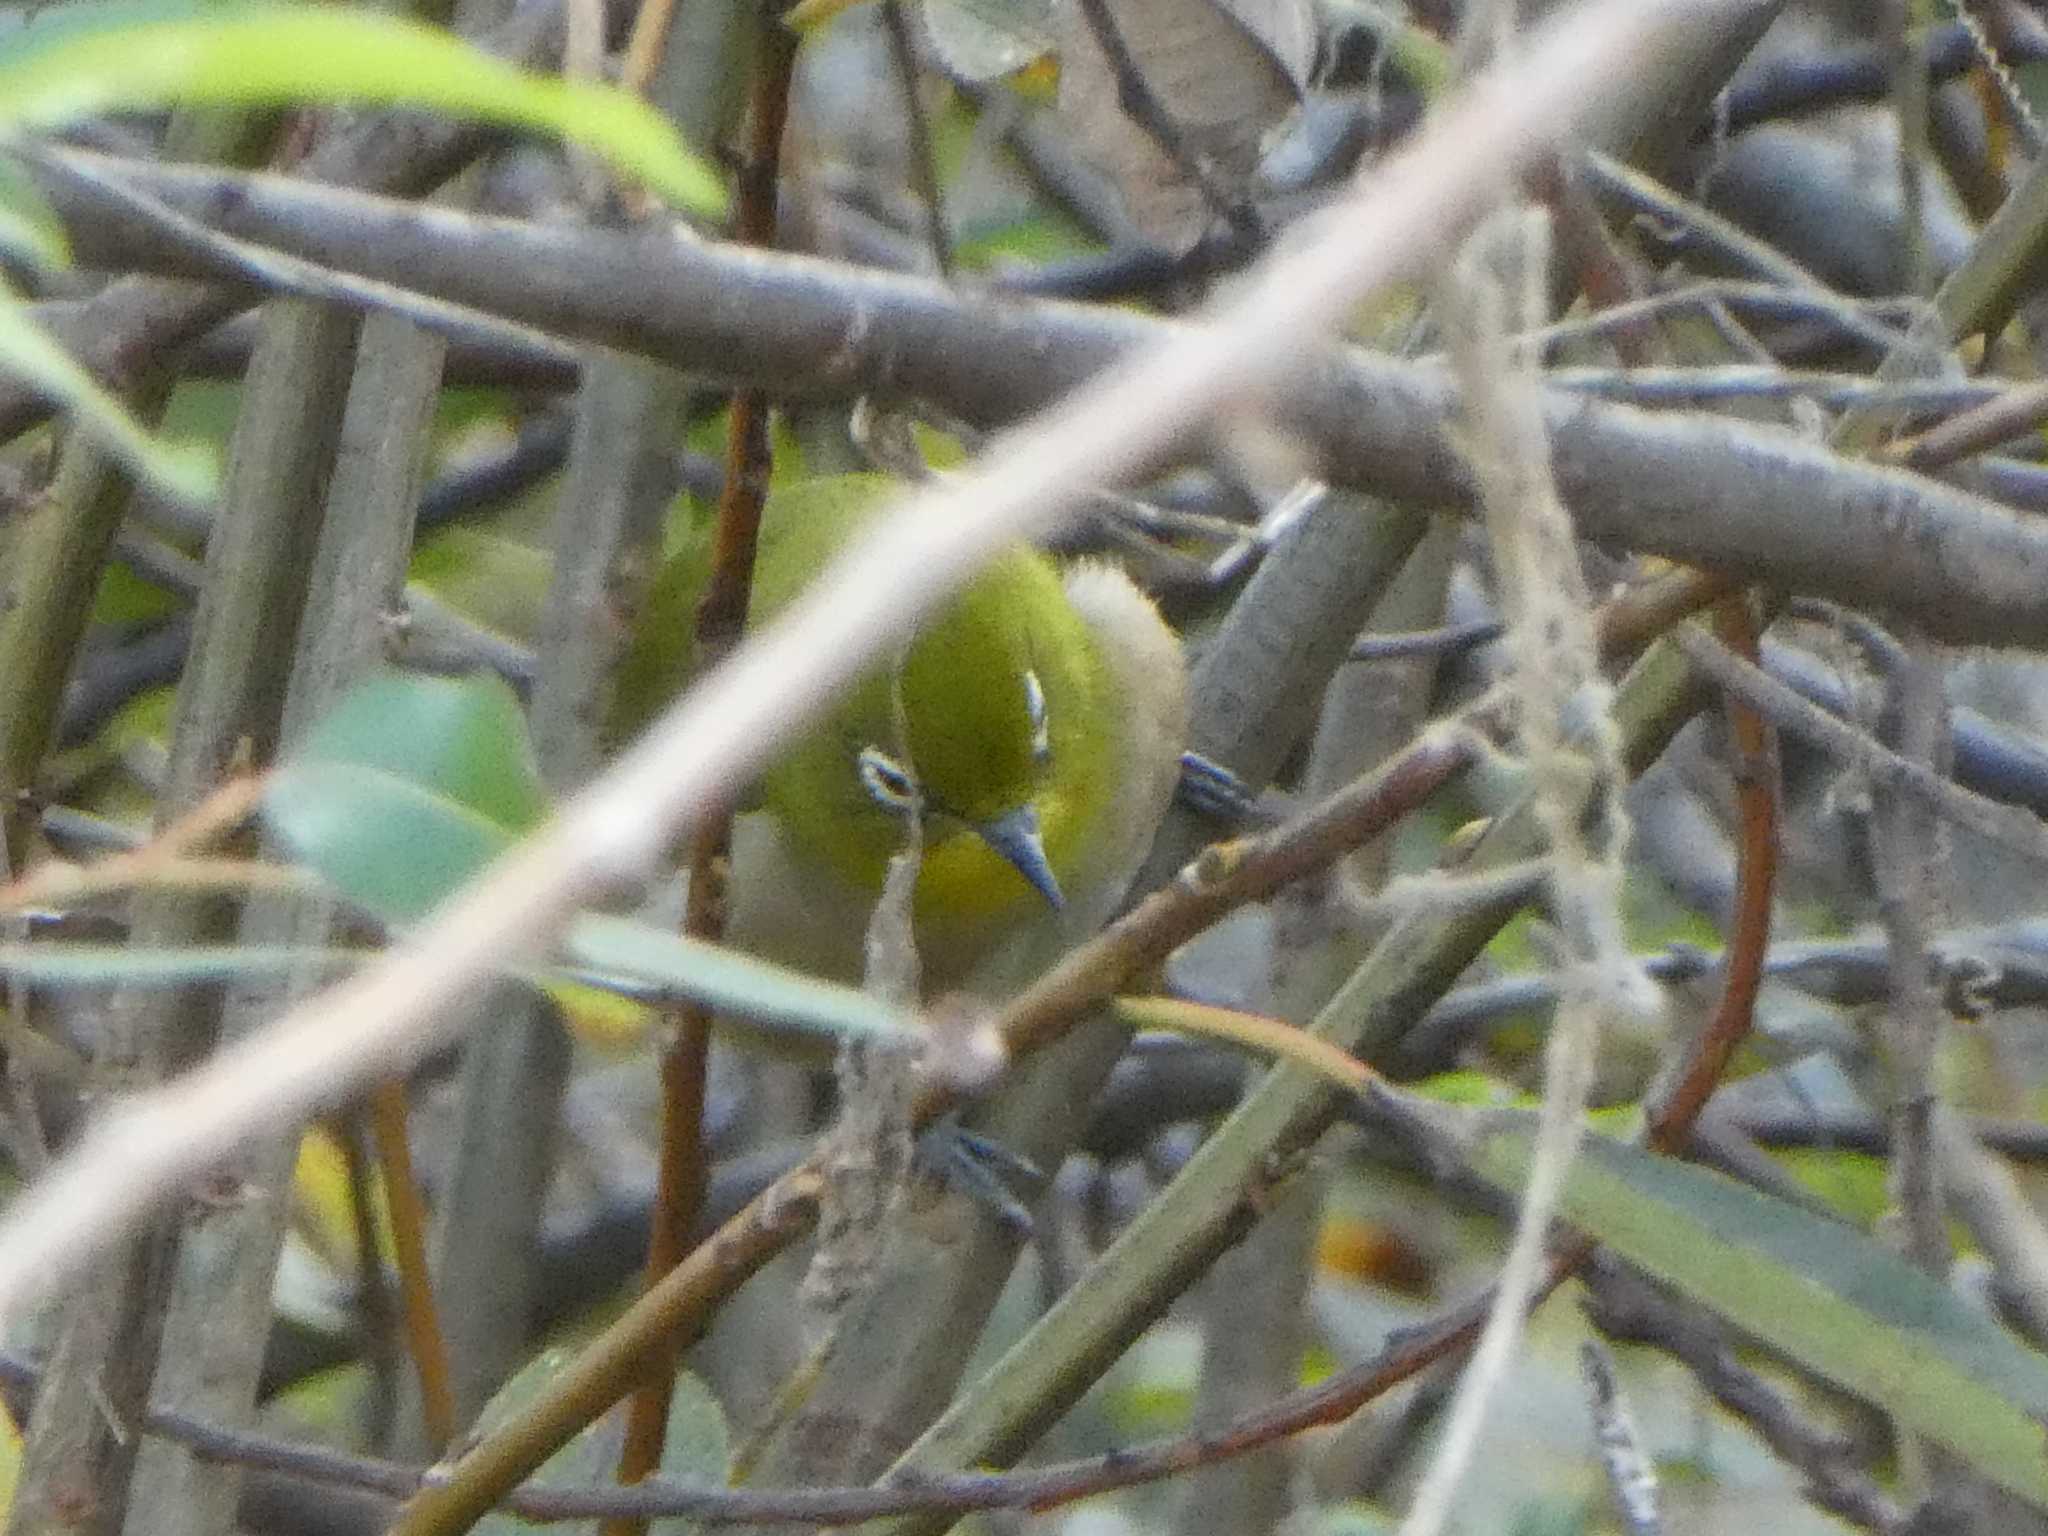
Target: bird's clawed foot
982 1169
1210 789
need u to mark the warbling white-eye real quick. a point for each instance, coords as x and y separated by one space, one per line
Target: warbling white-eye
1043 716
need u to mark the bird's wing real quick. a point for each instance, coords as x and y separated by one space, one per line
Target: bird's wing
1142 658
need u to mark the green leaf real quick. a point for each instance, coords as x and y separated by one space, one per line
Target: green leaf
185 470
459 738
411 785
60 964
29 226
1825 1294
393 848
408 788
783 1009
83 59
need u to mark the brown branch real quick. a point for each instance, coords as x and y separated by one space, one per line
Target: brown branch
1748 502
423 1338
2019 410
373 1300
1755 767
646 44
673 1312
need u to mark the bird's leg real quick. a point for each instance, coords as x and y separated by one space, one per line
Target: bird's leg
980 1168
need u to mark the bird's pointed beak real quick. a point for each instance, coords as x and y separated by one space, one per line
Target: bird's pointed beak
1014 835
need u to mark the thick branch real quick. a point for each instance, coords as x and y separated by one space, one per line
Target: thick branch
1747 501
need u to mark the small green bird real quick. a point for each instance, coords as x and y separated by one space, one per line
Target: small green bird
1043 716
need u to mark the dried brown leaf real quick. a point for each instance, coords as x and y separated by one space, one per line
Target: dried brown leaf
1227 72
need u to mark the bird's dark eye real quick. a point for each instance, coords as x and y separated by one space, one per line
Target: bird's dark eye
887 782
1034 707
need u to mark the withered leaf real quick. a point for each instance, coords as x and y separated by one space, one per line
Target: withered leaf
1227 72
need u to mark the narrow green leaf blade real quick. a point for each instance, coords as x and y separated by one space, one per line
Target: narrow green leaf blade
114 58
29 226
1825 1294
28 353
63 964
789 1010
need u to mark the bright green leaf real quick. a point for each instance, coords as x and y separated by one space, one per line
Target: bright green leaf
1825 1294
96 58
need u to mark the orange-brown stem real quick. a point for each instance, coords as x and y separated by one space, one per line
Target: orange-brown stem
1755 765
409 1244
721 618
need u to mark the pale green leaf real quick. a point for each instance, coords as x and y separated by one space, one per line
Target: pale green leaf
1823 1293
411 785
406 789
786 1009
394 848
463 739
65 964
88 58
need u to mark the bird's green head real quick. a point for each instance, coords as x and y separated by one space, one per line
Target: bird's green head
998 692
1008 724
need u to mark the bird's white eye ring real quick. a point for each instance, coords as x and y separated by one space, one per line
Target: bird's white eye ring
1034 708
887 782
